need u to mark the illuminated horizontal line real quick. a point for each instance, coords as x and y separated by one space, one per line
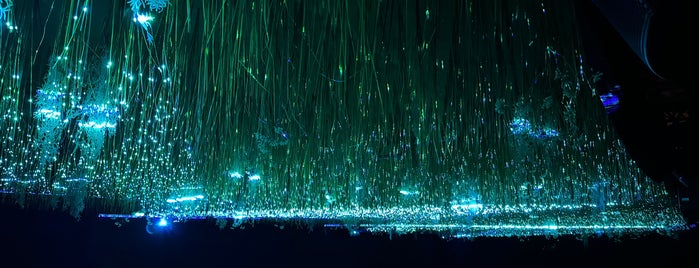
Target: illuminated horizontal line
513 226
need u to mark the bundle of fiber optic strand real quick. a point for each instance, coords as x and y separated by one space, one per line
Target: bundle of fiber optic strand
392 115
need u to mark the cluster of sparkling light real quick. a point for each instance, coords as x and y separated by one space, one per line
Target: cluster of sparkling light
521 126
461 125
104 116
488 220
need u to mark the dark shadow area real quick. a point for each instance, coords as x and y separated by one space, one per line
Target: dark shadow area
657 98
35 239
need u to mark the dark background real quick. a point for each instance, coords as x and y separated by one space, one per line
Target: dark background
646 119
33 239
40 239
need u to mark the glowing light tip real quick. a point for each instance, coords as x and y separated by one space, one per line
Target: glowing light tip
143 18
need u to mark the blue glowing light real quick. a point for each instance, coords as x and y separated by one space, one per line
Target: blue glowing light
611 99
185 199
408 192
49 113
143 19
238 175
5 7
158 225
521 126
545 133
102 116
235 175
610 102
95 125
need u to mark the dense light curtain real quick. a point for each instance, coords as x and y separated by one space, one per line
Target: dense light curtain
476 117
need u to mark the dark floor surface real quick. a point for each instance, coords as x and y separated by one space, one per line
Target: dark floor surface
41 239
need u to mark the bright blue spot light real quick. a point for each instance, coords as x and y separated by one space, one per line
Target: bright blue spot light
143 19
158 226
610 102
520 126
546 133
611 99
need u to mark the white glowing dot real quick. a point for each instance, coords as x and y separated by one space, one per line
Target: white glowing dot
143 19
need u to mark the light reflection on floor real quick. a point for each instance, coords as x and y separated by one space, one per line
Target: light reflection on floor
483 221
